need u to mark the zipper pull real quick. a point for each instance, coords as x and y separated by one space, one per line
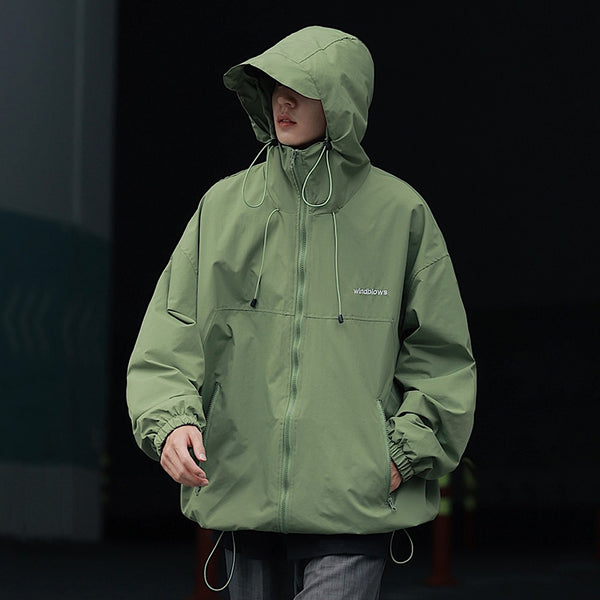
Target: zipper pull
391 504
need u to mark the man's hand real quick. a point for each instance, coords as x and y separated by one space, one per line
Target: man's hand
176 459
396 477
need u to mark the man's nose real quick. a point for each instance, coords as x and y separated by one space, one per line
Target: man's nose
284 98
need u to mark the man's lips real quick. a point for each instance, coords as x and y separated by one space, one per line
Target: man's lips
285 121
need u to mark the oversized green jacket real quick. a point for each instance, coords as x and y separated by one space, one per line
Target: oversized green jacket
309 323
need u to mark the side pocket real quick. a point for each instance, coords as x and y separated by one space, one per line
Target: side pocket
209 420
386 452
209 411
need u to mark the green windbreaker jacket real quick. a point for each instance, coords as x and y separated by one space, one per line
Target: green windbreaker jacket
309 323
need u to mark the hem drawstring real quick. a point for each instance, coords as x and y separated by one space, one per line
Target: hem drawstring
412 549
262 260
234 552
210 587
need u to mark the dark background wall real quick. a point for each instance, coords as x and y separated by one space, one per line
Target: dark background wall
489 111
57 67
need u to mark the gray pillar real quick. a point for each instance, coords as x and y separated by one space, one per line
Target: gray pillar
56 125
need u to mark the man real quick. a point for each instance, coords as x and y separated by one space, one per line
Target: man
304 368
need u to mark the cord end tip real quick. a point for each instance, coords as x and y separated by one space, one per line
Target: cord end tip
341 318
253 303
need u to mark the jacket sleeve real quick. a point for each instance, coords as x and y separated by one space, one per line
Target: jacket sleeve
435 374
166 368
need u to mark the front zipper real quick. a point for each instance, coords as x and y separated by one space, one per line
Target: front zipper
298 316
389 500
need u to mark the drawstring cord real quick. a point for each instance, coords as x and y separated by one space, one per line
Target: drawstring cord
234 552
412 549
325 151
270 144
337 270
267 147
210 587
262 260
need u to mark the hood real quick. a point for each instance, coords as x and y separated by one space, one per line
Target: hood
320 63
337 69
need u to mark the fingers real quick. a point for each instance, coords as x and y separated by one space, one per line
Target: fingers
183 470
198 447
396 479
177 461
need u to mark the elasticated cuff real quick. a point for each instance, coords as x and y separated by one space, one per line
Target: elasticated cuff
169 426
401 461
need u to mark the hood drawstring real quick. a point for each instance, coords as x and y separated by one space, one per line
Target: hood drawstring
270 144
262 260
325 151
337 270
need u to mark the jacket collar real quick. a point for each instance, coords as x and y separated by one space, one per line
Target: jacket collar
294 176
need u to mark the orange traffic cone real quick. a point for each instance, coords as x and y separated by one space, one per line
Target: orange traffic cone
441 574
598 533
204 545
469 502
